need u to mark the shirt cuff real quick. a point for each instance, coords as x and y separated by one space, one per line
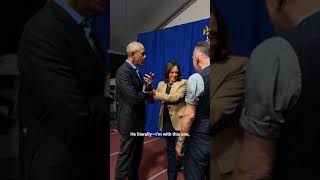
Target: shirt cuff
191 100
263 127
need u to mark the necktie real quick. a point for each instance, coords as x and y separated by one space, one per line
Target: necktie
90 37
137 71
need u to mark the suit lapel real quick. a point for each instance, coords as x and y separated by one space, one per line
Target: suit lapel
173 89
134 73
77 31
140 78
163 87
99 53
175 86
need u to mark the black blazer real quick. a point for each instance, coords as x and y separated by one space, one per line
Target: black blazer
131 109
61 98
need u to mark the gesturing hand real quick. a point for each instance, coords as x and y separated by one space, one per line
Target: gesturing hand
179 146
148 78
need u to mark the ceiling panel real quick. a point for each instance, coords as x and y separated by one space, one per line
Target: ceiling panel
130 17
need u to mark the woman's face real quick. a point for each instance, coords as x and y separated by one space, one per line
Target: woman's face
173 75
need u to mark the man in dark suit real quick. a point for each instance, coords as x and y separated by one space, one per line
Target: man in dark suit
61 101
131 112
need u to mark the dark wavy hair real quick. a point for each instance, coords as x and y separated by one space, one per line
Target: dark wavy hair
219 49
168 69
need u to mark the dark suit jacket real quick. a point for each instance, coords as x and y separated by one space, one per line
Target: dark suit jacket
8 91
131 109
227 89
61 99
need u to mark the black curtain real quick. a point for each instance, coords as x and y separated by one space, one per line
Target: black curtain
13 16
116 60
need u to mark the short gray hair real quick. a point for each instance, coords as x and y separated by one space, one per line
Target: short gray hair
132 47
203 47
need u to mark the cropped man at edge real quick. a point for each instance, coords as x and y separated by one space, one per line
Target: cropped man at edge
61 106
280 114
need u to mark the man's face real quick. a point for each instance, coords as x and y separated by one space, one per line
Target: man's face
139 56
277 15
94 7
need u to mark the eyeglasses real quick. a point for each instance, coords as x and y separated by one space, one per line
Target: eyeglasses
142 53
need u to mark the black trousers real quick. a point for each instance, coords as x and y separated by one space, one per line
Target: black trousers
54 160
129 157
171 144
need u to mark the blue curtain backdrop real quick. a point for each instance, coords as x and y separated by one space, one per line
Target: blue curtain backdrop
175 43
247 22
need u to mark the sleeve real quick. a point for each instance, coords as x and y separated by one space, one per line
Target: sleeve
173 97
271 87
195 88
128 89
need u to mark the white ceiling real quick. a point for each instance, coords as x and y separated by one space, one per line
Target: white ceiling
130 17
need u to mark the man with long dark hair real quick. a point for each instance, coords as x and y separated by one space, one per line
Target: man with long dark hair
226 93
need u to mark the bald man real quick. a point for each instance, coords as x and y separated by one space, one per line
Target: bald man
195 148
131 112
280 116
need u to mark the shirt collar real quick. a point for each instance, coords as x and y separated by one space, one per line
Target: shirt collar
132 65
205 66
308 15
72 12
